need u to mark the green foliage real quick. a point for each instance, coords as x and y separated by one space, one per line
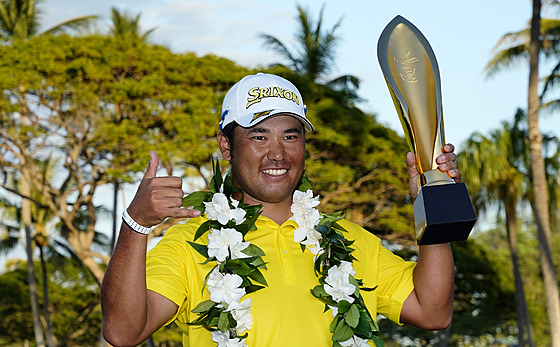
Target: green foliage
74 306
484 295
15 315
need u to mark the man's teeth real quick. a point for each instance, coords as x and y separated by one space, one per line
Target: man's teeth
275 172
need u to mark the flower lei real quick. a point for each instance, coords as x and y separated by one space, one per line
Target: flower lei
239 263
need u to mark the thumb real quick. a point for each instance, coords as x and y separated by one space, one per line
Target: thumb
411 162
152 167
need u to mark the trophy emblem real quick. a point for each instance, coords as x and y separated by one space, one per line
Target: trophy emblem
443 211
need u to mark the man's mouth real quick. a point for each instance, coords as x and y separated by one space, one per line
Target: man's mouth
274 172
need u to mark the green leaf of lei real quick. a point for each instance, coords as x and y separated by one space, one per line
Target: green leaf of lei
196 200
353 316
202 249
342 332
204 306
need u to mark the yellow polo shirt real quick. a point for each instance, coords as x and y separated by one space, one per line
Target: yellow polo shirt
284 313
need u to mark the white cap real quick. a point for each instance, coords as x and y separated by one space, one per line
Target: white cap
256 97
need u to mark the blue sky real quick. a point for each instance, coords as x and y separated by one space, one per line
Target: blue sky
462 35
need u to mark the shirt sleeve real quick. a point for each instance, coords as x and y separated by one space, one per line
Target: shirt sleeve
166 268
395 283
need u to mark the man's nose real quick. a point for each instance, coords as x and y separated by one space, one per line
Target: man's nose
276 151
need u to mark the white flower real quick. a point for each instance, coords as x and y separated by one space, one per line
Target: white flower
218 209
214 278
220 242
312 241
337 284
345 267
224 288
354 341
307 218
303 200
241 312
237 248
223 340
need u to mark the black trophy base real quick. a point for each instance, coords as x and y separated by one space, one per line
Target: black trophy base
443 213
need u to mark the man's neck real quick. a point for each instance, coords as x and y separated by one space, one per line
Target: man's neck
278 212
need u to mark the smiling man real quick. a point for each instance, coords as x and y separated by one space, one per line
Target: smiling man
262 135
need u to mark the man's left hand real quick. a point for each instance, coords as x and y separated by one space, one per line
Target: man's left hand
447 162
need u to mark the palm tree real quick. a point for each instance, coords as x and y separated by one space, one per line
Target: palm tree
314 55
531 48
539 179
125 24
21 19
494 167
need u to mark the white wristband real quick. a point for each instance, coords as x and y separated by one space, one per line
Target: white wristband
133 225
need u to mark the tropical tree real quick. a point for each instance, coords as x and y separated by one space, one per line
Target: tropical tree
313 57
532 49
100 105
495 169
124 27
539 179
127 25
21 19
75 305
44 223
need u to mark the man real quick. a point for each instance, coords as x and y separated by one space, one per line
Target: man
263 138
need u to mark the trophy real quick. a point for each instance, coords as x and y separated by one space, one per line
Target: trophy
443 211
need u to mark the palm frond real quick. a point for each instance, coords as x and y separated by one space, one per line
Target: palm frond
345 81
277 46
75 24
551 80
506 58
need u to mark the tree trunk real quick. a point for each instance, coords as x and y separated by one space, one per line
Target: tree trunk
26 216
539 181
50 338
115 220
524 335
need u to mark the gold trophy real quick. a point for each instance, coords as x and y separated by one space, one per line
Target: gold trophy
443 211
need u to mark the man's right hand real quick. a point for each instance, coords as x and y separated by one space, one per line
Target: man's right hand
158 198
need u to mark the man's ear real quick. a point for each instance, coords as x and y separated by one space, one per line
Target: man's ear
224 146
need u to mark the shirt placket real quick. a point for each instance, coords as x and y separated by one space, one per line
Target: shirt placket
284 239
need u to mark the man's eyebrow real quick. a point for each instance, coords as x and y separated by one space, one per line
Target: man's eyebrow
293 130
259 130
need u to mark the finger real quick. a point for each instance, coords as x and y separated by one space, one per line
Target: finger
183 213
447 148
152 166
455 174
167 182
411 161
446 158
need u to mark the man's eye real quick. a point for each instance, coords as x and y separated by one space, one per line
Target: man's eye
259 138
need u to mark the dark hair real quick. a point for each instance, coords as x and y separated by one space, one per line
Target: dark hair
228 131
